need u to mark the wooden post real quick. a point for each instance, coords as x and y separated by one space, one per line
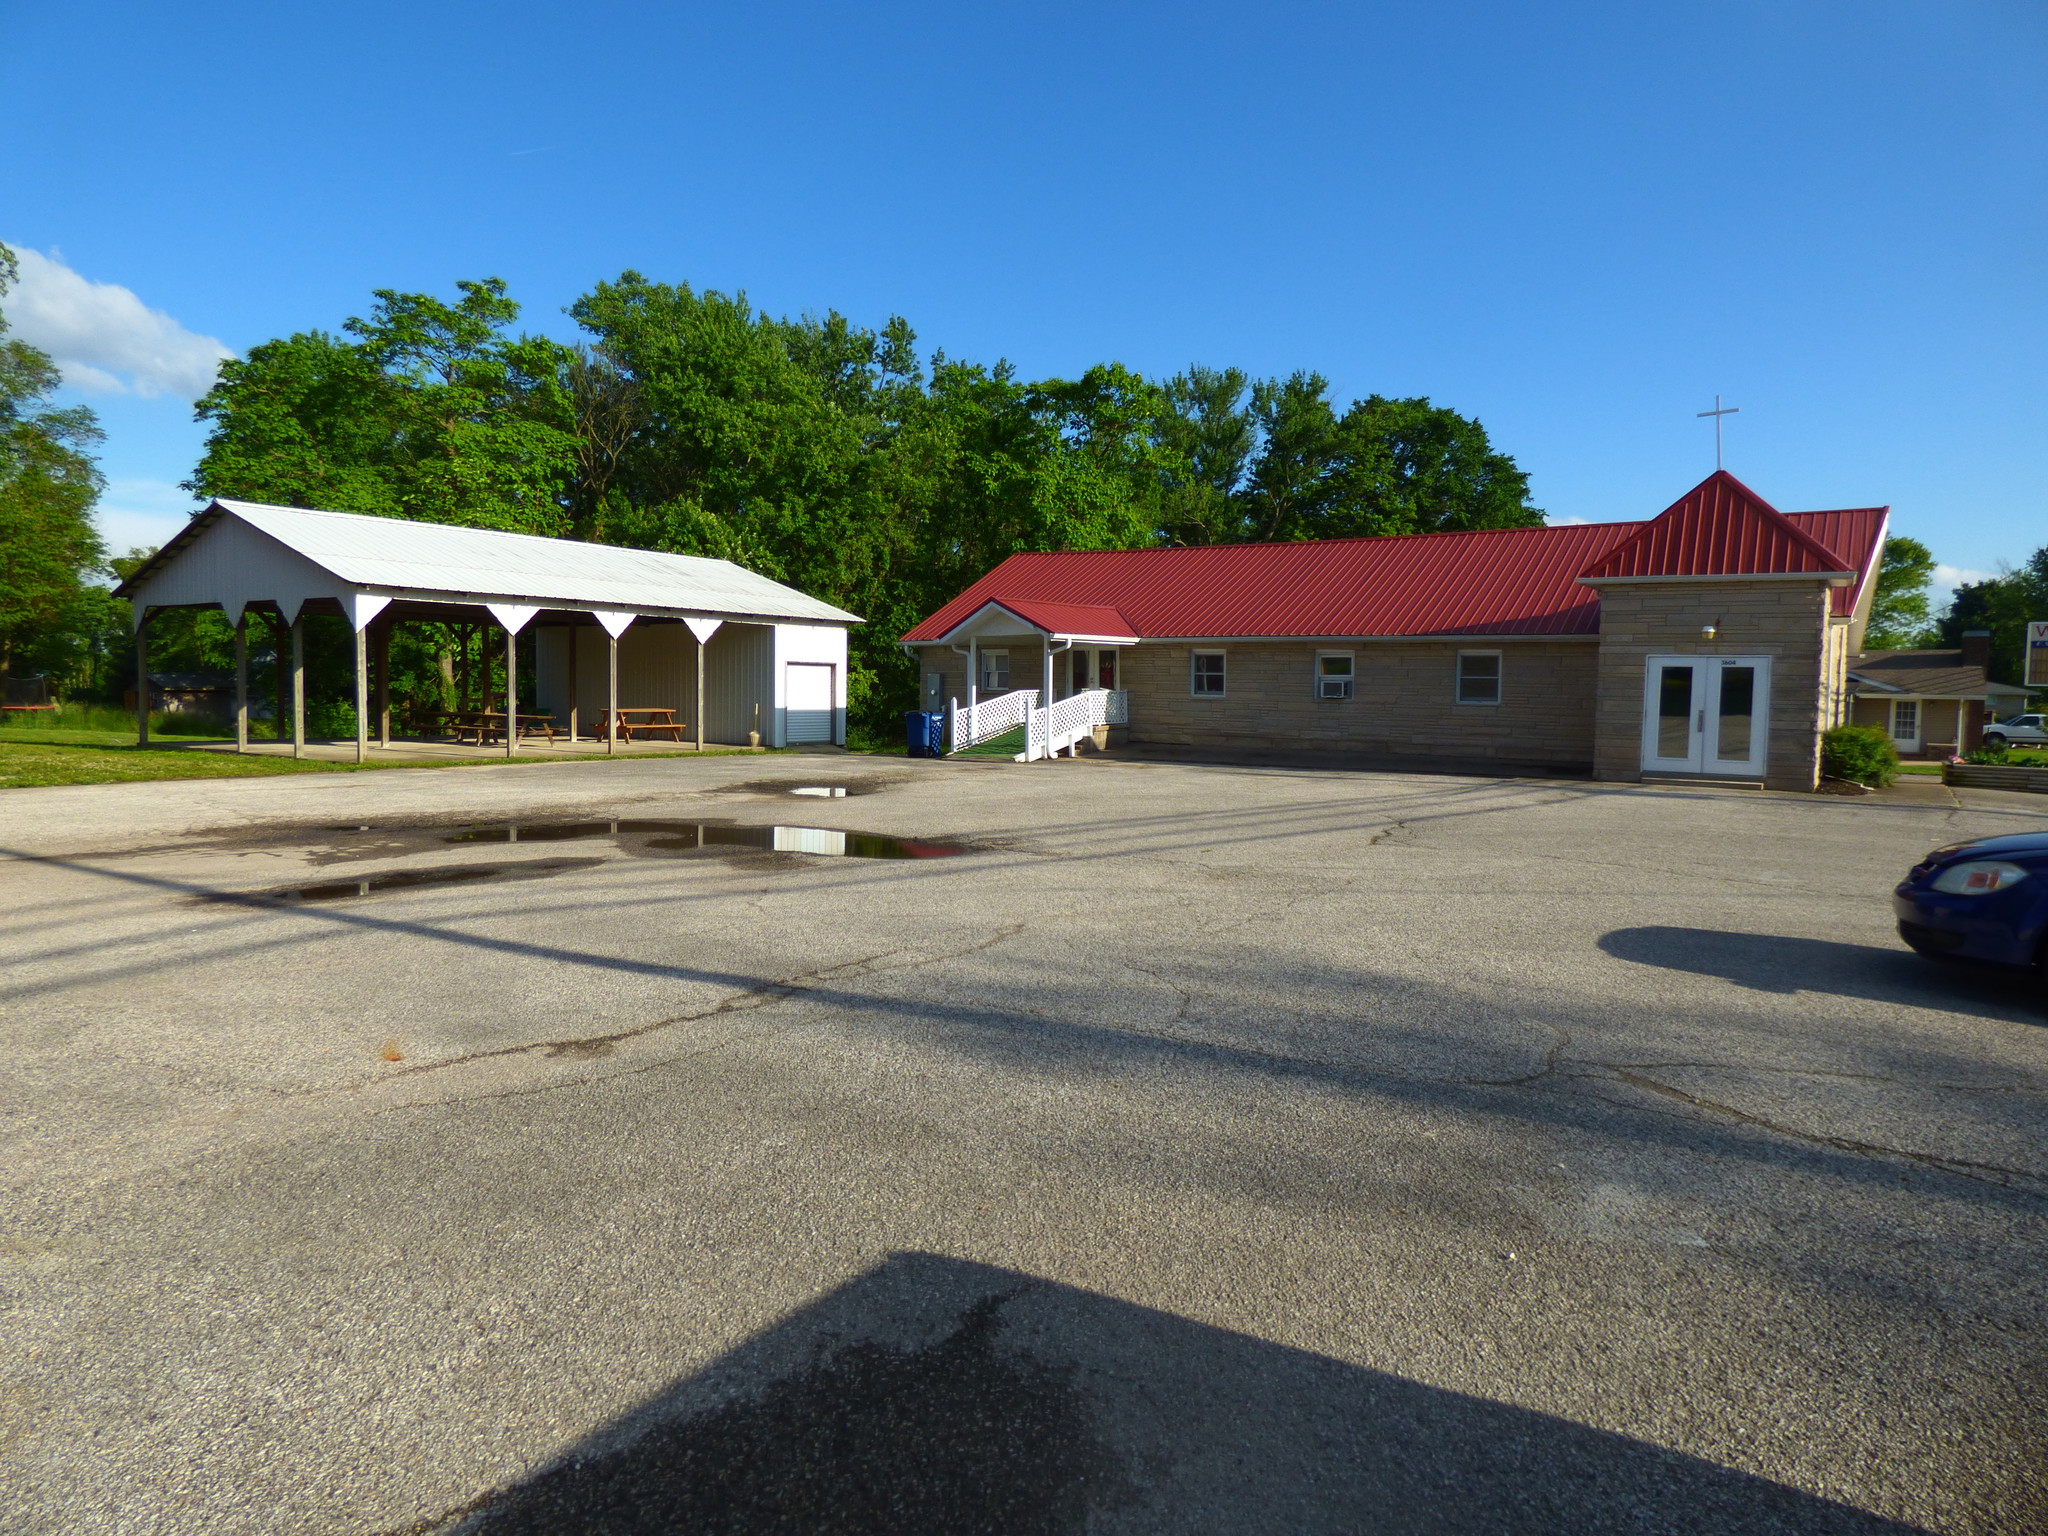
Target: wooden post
299 686
281 683
242 682
384 685
142 679
511 692
362 694
573 627
611 714
700 693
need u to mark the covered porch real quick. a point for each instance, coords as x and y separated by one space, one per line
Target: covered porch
1048 674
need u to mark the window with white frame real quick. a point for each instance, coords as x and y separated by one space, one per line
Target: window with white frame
1905 719
1333 674
1479 677
995 671
1205 674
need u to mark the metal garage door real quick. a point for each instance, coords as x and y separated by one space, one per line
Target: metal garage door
807 694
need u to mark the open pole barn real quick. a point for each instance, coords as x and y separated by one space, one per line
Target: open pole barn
627 640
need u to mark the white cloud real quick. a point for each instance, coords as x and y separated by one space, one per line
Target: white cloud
105 339
1948 577
1569 522
140 514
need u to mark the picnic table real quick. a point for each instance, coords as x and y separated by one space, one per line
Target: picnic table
648 722
488 725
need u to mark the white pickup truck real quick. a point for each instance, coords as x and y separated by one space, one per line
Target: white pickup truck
2019 731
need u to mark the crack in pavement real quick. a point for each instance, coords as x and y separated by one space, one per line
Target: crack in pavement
1550 1061
748 999
1962 1167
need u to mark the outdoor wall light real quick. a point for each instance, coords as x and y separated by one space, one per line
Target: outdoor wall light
1708 631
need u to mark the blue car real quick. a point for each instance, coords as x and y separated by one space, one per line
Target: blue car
1984 901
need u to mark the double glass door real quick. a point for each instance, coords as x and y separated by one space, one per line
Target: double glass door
1706 714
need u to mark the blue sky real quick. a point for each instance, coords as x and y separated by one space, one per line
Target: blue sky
1576 222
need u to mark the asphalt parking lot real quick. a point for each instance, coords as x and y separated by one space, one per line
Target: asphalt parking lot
1197 1150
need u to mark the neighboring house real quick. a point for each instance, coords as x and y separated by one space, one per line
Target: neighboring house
1931 703
188 693
1711 641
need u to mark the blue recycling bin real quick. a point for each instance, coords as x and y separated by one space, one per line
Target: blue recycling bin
926 730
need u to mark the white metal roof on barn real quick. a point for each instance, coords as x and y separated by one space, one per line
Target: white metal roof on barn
398 558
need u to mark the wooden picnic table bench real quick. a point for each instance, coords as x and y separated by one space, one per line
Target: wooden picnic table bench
488 725
648 722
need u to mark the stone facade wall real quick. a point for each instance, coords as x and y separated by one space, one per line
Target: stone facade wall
1785 620
1836 664
1404 700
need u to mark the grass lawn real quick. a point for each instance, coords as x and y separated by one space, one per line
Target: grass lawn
37 758
32 759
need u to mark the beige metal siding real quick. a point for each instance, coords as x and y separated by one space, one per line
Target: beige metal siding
739 672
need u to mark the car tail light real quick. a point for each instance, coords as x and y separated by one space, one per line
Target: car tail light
1979 877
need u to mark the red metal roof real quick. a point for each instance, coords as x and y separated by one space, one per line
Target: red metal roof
1854 533
1508 581
1718 528
1091 619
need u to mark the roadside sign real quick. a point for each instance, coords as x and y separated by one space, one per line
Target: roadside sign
2036 673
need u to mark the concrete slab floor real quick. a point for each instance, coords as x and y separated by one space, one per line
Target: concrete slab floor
1205 1149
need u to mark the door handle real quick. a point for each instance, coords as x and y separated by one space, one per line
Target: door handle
1703 722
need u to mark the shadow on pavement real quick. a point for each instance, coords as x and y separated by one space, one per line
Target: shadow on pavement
1769 962
932 1395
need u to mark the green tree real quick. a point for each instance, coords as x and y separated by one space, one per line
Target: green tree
1382 466
433 412
2004 605
1209 435
1900 616
48 486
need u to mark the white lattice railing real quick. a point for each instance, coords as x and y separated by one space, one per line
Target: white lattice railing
990 717
1061 727
1046 731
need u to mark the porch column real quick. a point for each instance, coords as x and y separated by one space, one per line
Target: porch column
384 685
700 695
142 679
573 627
973 672
362 694
242 682
280 679
1045 675
299 686
511 691
611 714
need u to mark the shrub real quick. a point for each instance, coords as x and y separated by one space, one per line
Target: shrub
1860 753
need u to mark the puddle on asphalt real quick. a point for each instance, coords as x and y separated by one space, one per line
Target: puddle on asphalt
867 784
633 838
401 880
683 836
